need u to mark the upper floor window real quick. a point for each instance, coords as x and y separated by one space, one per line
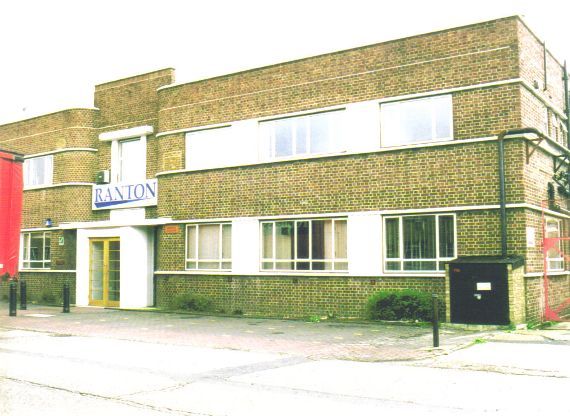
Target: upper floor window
128 153
315 244
416 121
131 160
209 246
303 135
418 242
38 171
554 256
36 253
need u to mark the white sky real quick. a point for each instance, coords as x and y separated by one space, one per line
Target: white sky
53 52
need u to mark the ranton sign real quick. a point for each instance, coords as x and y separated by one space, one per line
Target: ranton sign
125 195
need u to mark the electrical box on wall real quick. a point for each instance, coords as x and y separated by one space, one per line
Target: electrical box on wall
102 177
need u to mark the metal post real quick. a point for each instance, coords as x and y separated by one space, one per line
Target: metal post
65 298
435 321
23 295
13 299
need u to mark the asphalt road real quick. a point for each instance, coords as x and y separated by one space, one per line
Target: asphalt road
52 371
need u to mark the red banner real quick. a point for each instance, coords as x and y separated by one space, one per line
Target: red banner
10 212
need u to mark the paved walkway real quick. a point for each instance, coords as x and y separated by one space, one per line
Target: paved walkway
322 340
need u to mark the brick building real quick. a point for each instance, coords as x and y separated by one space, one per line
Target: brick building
303 187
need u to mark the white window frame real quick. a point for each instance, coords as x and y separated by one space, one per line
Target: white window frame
219 260
334 260
25 261
394 142
552 260
268 141
47 178
438 259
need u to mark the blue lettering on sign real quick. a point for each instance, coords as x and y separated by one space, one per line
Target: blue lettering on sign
113 195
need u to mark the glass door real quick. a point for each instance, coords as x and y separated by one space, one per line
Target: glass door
105 272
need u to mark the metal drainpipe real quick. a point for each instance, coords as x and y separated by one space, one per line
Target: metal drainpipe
502 193
567 106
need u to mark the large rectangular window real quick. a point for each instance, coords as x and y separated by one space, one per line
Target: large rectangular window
554 256
418 242
303 135
209 247
304 245
38 171
416 121
36 252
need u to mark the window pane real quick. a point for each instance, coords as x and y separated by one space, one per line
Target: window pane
302 239
266 265
209 265
36 246
283 138
321 133
191 242
284 265
226 241
303 265
420 265
419 237
47 247
300 135
318 243
26 246
415 121
393 265
209 241
267 231
340 239
443 111
284 244
446 237
132 158
392 238
342 265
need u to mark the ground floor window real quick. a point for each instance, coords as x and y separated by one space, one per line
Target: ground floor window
208 247
305 245
418 242
554 256
36 253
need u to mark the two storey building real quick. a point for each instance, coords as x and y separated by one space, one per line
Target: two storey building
304 187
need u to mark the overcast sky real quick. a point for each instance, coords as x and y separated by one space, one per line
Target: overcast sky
53 52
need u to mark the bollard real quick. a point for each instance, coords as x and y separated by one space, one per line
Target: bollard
13 298
65 298
23 295
435 321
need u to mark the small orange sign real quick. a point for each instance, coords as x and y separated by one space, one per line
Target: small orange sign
171 229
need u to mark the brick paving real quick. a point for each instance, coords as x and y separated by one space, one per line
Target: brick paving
322 340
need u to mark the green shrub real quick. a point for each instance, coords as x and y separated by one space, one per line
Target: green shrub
402 305
46 297
192 302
